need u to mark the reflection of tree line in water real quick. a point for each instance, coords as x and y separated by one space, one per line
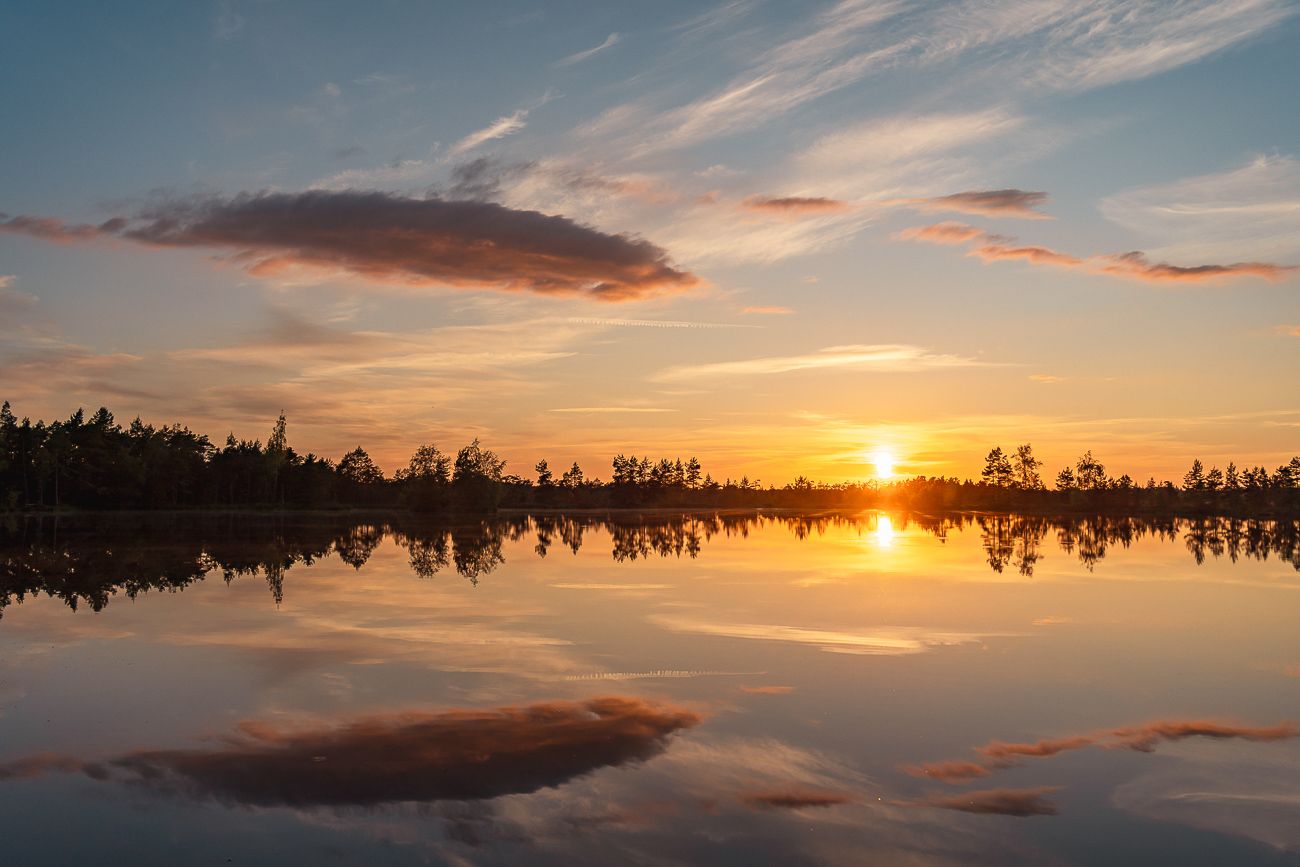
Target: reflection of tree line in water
88 563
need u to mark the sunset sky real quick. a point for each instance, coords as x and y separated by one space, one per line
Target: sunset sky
782 236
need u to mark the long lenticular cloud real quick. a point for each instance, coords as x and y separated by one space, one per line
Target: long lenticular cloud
409 757
390 238
990 203
1000 755
994 248
794 206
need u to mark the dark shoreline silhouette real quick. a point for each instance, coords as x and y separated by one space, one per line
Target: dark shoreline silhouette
88 560
95 464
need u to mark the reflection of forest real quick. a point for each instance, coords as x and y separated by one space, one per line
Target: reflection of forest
88 562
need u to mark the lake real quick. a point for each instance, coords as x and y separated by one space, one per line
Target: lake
658 689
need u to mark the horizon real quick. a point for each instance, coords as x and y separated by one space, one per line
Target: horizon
789 239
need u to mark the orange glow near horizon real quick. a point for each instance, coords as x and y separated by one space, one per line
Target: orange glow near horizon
884 462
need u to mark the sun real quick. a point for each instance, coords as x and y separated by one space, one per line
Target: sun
884 461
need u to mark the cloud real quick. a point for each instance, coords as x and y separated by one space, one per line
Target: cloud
991 203
1137 265
995 248
900 641
12 301
999 755
610 41
391 238
1020 803
408 757
1046 378
876 357
794 205
499 128
795 799
956 771
766 310
1288 330
1251 211
1144 738
1015 47
947 232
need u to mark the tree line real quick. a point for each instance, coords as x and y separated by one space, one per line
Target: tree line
89 563
96 463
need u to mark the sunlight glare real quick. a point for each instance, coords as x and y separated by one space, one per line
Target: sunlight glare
884 532
884 461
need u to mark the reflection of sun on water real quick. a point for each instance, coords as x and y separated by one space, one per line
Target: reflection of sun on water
884 531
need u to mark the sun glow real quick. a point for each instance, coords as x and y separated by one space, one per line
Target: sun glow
884 461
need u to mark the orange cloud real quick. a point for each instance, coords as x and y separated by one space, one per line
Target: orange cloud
1036 255
999 755
386 237
1145 738
1135 264
767 690
422 757
767 310
956 771
795 205
993 248
947 232
1289 330
992 203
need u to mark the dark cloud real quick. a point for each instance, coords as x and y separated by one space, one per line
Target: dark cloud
392 238
408 757
996 802
993 248
795 799
348 152
992 203
795 205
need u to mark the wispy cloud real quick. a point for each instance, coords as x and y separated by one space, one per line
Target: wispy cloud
995 802
875 357
1135 265
1252 210
902 641
500 128
610 41
766 310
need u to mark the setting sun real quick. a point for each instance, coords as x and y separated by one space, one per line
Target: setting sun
884 461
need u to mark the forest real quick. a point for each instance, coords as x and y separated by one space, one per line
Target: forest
96 463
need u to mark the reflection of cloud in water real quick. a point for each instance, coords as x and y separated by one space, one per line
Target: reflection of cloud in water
995 802
999 755
1220 790
897 641
416 757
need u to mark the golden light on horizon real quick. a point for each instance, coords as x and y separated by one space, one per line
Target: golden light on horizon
884 462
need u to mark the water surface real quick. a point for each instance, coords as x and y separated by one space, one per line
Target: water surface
706 689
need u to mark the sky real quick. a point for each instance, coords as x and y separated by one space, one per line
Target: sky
783 237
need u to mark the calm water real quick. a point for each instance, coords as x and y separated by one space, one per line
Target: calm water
869 689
